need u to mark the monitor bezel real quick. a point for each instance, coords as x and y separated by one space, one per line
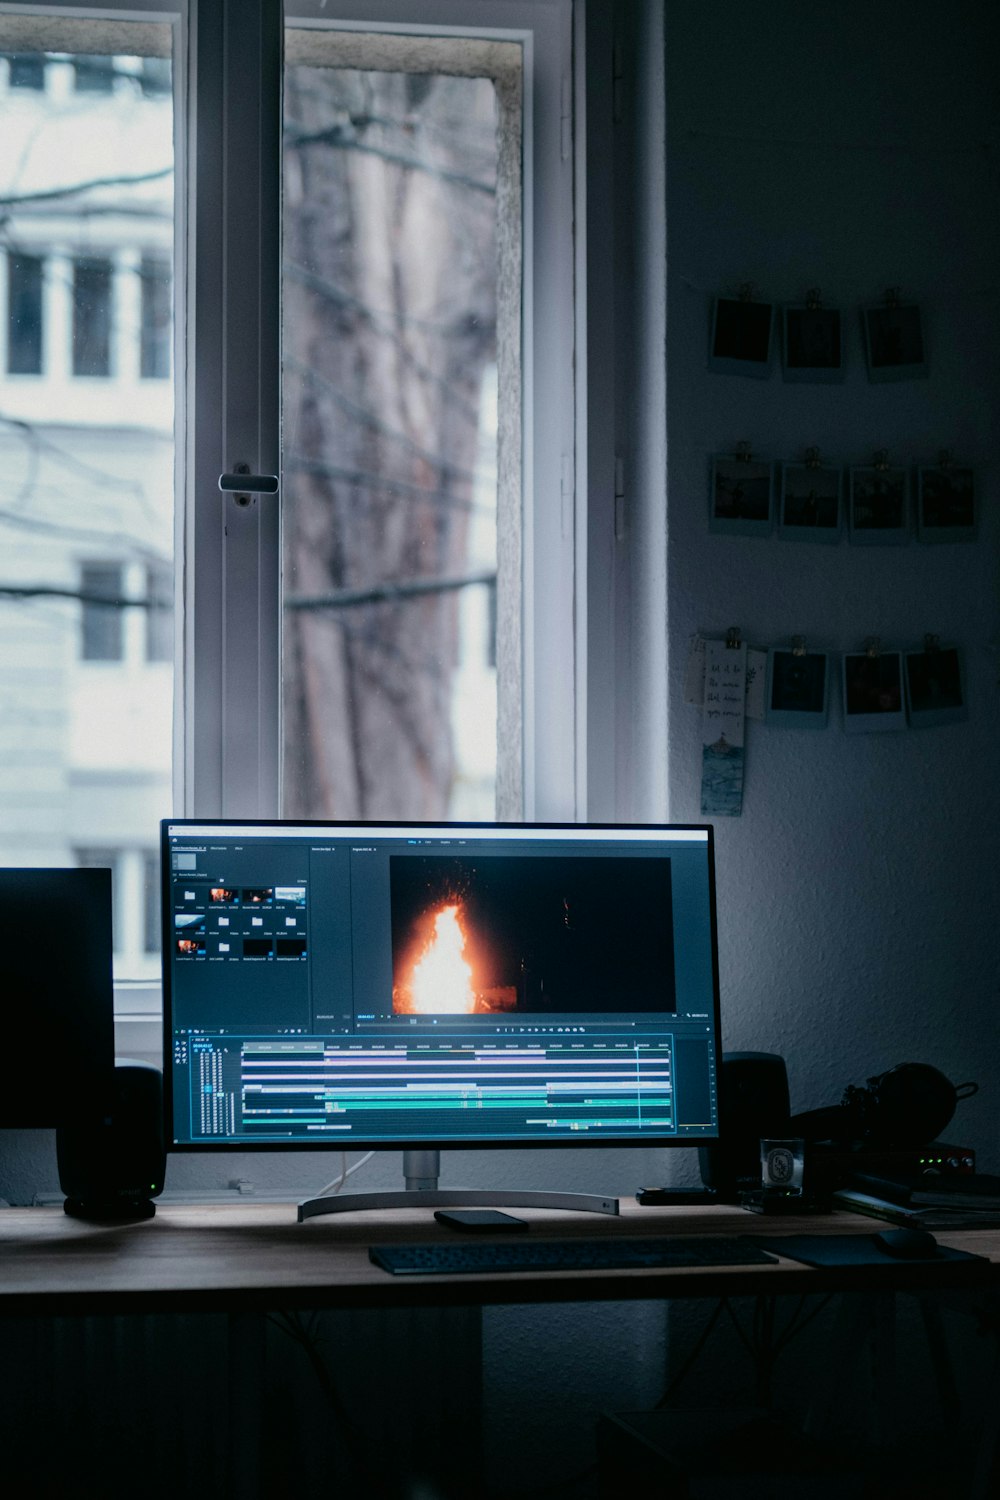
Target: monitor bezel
634 1142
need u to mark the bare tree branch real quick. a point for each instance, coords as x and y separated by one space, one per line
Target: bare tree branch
338 137
379 593
47 195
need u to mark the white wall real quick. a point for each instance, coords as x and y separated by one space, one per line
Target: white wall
848 146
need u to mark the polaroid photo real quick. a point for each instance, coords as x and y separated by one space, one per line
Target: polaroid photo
894 342
873 692
797 688
811 346
809 505
879 506
740 502
946 504
935 692
740 341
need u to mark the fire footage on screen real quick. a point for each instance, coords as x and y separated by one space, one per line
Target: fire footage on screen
256 923
521 935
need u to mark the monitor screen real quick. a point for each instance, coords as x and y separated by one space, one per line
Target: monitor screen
56 996
417 985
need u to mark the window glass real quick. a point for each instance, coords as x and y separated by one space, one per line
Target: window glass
159 613
94 75
24 314
151 901
101 633
398 395
87 513
92 317
26 71
155 319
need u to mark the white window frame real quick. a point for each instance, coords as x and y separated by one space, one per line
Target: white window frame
231 704
575 679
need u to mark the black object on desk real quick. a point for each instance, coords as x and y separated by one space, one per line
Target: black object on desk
606 1254
857 1250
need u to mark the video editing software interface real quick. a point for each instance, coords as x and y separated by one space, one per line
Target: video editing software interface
358 985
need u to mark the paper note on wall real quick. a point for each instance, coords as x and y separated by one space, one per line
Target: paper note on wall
723 720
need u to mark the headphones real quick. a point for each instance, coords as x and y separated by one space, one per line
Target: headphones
909 1105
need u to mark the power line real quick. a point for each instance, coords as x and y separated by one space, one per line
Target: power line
381 593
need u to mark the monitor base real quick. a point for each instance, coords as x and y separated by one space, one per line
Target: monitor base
336 1203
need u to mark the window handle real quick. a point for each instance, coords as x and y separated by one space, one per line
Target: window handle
244 484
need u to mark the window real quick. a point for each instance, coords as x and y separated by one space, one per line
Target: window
151 901
391 413
26 71
416 596
156 321
102 635
94 75
92 317
155 77
159 613
427 418
24 314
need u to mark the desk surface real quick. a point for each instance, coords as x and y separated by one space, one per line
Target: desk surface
256 1256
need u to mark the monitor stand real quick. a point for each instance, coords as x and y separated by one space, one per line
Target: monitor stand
421 1170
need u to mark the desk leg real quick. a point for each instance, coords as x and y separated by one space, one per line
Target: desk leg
863 1322
941 1363
246 1340
984 1479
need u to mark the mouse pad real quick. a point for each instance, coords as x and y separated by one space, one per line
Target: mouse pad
850 1250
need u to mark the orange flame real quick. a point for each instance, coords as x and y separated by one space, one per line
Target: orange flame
442 979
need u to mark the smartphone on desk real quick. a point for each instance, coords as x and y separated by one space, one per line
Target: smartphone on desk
479 1220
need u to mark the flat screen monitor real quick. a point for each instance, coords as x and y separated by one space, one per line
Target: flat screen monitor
56 996
430 986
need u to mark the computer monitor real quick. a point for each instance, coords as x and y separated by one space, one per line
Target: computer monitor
56 997
424 986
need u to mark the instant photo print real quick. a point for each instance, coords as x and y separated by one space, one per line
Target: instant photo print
873 691
935 692
946 504
809 503
879 506
894 341
811 345
740 341
741 492
797 687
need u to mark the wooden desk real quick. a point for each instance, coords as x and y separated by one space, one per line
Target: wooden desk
104 1386
255 1256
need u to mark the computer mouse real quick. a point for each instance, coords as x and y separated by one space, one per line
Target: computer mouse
907 1244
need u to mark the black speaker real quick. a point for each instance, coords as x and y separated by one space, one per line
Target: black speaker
753 1102
111 1166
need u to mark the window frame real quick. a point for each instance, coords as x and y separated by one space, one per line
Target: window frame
231 706
575 683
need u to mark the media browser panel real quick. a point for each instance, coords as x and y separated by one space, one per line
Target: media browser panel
402 985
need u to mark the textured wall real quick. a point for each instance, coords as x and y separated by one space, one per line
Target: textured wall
850 147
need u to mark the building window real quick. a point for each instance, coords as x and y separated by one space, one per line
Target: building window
26 70
156 322
151 901
102 625
155 78
94 75
159 613
92 317
24 314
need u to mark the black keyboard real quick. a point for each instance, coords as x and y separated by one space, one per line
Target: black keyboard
606 1254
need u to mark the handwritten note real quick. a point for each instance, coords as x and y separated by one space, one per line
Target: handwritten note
723 721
